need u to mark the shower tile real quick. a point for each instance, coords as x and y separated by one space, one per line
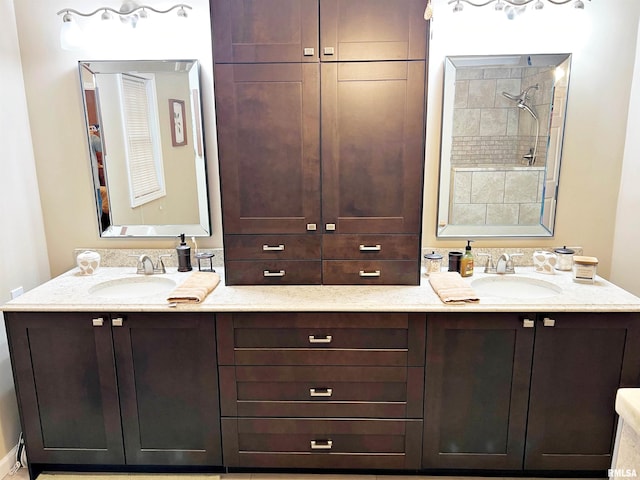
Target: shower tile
496 72
493 121
521 186
529 214
513 122
462 187
472 73
502 214
482 93
466 122
462 94
468 214
487 187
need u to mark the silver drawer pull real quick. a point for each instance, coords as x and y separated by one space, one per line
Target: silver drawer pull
321 444
528 323
272 248
548 322
117 322
325 339
369 274
370 248
97 322
268 273
320 392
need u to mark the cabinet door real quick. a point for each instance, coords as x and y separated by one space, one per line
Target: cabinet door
268 140
372 30
65 380
372 146
259 31
579 363
476 390
168 388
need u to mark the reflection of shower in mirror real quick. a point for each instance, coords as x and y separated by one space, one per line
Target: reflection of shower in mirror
522 100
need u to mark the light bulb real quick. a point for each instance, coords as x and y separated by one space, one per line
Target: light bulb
499 6
106 15
538 5
70 33
458 7
182 12
579 5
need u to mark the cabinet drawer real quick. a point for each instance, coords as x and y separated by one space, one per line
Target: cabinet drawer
275 272
317 443
270 247
324 338
321 338
356 392
371 272
371 247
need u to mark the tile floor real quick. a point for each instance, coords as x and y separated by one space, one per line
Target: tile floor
23 475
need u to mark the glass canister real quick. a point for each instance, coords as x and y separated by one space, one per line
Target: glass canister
434 262
565 258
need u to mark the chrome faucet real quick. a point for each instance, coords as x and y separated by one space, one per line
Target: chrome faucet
503 263
145 265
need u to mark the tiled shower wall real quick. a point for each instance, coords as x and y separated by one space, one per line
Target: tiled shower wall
488 128
496 196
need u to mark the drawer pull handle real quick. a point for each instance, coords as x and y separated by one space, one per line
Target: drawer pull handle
321 444
369 274
370 248
272 248
97 322
321 392
528 323
117 322
325 339
268 273
549 322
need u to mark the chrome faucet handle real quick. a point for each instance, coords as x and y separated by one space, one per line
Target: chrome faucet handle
159 268
510 267
490 266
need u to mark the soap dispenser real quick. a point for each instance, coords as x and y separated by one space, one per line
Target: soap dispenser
184 255
466 263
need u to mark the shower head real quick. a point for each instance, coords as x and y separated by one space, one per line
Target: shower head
527 108
523 96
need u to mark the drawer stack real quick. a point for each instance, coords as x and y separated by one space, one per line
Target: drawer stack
305 390
273 259
371 259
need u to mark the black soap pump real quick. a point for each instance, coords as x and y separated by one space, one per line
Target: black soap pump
184 255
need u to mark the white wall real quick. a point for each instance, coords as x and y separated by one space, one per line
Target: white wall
625 269
23 249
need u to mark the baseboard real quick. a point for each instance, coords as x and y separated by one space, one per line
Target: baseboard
7 462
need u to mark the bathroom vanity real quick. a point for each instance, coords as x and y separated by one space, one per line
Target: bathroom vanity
321 377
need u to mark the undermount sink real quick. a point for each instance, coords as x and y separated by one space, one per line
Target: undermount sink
131 287
510 286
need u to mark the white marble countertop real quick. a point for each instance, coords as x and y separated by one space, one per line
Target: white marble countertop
71 292
628 407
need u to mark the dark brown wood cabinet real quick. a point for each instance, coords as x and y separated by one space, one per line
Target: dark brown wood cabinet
255 31
321 390
508 391
579 362
100 389
321 125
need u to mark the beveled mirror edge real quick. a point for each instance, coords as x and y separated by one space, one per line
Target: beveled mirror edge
444 187
204 227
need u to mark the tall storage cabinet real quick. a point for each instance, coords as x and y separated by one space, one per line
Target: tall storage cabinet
320 113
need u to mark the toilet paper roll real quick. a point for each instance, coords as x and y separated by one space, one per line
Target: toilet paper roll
544 262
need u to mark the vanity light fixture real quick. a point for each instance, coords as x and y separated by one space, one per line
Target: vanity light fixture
129 13
501 5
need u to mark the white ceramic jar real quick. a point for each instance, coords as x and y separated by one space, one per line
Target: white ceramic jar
88 262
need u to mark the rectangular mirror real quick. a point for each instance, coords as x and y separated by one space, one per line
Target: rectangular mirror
503 122
144 131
